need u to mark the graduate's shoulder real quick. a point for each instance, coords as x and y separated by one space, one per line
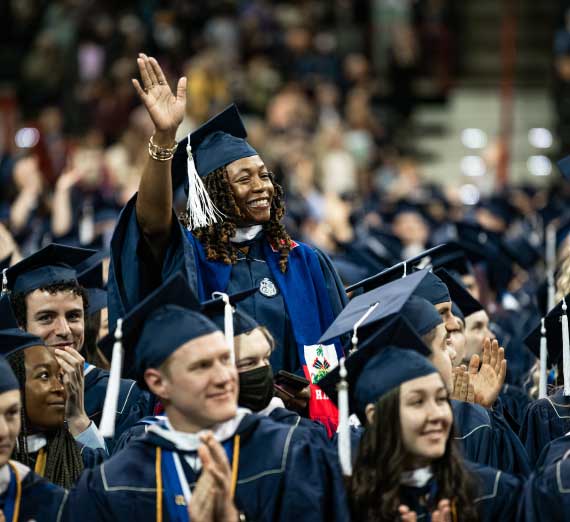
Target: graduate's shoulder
554 451
41 500
96 387
493 483
470 419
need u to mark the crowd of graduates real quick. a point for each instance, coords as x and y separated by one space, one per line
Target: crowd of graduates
207 315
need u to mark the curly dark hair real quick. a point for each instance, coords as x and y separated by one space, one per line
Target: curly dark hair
216 238
374 488
18 299
63 458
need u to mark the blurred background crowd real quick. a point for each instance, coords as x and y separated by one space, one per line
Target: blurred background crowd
329 90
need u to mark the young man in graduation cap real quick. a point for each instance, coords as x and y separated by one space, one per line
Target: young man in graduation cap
49 302
230 238
275 473
24 496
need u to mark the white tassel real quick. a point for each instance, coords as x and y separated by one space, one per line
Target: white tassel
228 324
107 426
565 349
357 326
543 355
344 449
4 281
201 210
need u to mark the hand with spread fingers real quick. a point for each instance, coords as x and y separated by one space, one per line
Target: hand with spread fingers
215 461
489 376
463 390
72 364
406 514
165 108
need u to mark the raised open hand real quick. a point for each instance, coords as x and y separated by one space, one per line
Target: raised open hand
463 390
164 107
489 378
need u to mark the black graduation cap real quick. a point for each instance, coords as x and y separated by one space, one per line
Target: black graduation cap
219 141
166 319
7 317
53 264
553 335
458 293
401 269
15 339
90 277
397 332
456 311
522 251
243 323
8 380
453 257
387 301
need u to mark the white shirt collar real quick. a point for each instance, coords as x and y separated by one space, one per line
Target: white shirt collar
274 403
191 441
36 442
417 478
246 233
5 474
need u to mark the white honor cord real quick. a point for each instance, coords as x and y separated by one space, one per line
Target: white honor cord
182 478
543 356
565 349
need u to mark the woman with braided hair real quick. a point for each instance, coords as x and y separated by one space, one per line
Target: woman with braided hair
44 443
229 239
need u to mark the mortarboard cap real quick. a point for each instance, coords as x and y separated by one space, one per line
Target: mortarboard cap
243 323
165 320
403 268
90 277
458 293
456 311
8 381
553 326
53 264
218 142
397 332
453 257
388 300
422 314
15 339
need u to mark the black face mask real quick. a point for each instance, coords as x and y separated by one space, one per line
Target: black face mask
256 388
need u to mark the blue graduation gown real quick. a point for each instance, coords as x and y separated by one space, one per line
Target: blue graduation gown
41 500
134 273
282 476
553 451
486 438
546 495
545 420
133 403
496 500
516 401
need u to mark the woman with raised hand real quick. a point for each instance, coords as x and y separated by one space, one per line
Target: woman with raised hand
229 238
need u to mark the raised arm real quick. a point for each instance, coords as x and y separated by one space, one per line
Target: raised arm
154 201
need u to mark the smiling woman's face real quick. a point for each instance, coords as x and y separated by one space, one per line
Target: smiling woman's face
45 394
252 189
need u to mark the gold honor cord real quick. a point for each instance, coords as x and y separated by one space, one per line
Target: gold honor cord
18 500
40 467
158 472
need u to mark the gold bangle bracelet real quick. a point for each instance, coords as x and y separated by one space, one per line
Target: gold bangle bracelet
161 153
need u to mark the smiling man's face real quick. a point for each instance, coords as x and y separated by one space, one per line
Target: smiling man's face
57 318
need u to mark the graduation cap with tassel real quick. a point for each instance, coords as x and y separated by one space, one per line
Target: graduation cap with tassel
218 142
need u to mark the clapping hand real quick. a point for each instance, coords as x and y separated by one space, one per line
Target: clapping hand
488 378
441 514
463 389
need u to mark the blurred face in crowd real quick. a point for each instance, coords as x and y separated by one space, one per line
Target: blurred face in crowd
197 384
442 353
58 319
45 394
252 189
457 338
476 331
471 285
252 350
425 419
10 423
410 228
449 320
